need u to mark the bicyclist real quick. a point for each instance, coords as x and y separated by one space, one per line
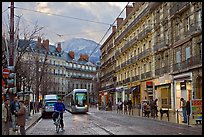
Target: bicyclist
59 108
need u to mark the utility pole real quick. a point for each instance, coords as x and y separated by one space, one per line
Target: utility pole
11 49
12 89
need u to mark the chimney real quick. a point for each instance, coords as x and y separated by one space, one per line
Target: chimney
113 29
71 54
46 44
119 21
39 42
128 9
84 57
59 48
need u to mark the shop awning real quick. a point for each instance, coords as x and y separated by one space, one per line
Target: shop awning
135 89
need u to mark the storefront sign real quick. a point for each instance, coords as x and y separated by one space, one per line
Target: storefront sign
197 109
149 87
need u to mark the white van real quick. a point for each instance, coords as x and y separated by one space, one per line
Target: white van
50 97
48 105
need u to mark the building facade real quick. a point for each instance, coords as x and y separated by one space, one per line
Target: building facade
63 71
157 53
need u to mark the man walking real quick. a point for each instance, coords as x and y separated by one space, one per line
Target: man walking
14 107
5 117
183 106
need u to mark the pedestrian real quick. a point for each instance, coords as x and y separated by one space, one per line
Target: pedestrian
21 117
5 117
129 106
31 106
183 106
125 107
110 105
146 109
14 107
153 108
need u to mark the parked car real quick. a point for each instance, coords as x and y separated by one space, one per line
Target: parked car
48 108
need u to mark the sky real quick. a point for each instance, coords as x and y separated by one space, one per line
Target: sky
65 20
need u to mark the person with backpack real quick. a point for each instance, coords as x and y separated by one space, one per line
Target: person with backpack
59 109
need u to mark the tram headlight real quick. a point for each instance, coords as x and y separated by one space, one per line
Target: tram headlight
86 106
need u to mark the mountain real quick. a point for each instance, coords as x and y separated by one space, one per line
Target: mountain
83 46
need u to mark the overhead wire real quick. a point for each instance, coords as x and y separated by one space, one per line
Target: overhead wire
64 16
59 35
108 30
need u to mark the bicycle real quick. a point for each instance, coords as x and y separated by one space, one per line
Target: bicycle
58 125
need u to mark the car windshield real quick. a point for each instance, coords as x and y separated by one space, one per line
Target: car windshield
50 104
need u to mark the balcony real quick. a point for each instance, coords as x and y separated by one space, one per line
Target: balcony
153 5
144 53
117 68
117 53
194 28
123 64
160 47
142 14
162 70
146 75
144 33
187 64
136 78
126 80
179 8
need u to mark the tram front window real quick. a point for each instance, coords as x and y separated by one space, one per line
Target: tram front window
81 99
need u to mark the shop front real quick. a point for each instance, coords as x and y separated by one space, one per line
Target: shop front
183 88
136 95
164 92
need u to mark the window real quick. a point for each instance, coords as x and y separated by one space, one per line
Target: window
188 54
144 47
188 23
150 66
144 68
199 16
149 43
178 58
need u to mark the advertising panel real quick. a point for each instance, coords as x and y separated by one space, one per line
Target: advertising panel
197 110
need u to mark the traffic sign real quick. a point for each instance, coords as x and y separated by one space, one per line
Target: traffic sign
6 72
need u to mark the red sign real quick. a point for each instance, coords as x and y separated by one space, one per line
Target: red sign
196 102
6 72
149 83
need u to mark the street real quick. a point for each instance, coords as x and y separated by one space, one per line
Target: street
97 122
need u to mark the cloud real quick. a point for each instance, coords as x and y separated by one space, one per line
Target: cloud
94 11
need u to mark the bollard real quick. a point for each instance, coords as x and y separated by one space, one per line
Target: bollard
177 116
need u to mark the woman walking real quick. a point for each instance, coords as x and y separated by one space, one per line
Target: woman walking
21 117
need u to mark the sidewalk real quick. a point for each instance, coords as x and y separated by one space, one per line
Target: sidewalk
174 117
32 119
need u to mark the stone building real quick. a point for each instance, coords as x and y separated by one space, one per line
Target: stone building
158 53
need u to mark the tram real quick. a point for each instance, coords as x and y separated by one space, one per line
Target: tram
77 101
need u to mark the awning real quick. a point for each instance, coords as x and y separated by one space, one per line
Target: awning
128 91
136 88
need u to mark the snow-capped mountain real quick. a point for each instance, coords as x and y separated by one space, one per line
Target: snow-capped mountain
83 46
